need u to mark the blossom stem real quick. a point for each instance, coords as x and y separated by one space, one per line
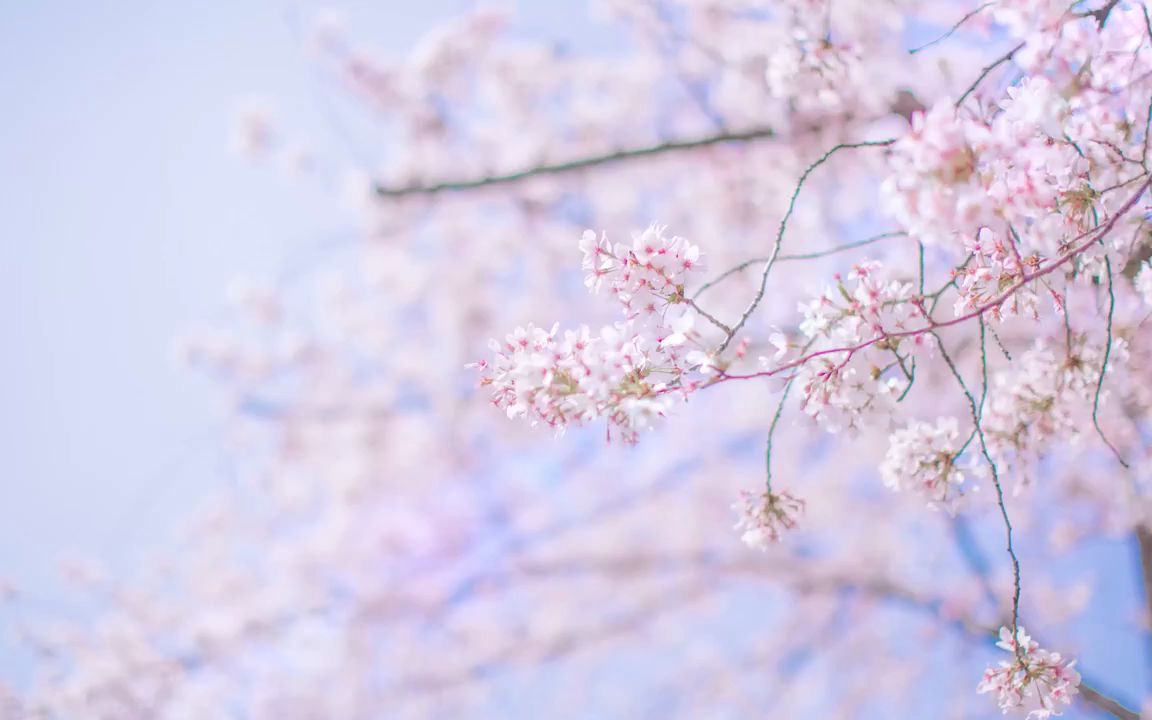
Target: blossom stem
1104 366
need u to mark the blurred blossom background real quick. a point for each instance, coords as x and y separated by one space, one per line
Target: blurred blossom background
132 217
128 211
129 208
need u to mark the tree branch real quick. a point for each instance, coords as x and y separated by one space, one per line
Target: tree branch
1097 234
1105 703
803 580
576 164
984 73
1144 543
779 243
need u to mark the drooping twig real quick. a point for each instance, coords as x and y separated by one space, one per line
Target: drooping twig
1104 365
772 434
978 564
977 416
772 259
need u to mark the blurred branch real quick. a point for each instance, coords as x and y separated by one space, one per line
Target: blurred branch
1105 703
804 580
1144 542
577 164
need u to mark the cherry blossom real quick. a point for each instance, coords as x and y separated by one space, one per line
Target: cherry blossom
923 458
1036 681
763 517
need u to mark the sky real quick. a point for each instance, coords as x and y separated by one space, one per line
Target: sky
124 214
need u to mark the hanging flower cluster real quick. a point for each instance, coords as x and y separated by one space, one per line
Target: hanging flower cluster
1035 681
1044 393
923 458
763 517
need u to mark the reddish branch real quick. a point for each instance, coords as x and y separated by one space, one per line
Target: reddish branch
1095 235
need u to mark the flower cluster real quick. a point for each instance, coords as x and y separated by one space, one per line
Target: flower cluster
1040 395
996 266
922 458
813 72
628 374
763 517
646 276
933 187
840 388
1036 681
578 377
956 172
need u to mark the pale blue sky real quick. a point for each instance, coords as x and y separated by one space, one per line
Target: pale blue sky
123 214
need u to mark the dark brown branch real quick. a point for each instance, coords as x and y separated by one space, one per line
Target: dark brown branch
971 14
984 73
1101 15
576 164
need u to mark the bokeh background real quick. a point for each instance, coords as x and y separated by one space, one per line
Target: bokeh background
124 215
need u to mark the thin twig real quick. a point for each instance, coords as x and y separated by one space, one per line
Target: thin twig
1104 365
707 316
802 256
984 73
977 417
784 226
954 28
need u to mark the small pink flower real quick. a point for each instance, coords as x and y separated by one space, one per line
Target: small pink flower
762 517
1036 681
